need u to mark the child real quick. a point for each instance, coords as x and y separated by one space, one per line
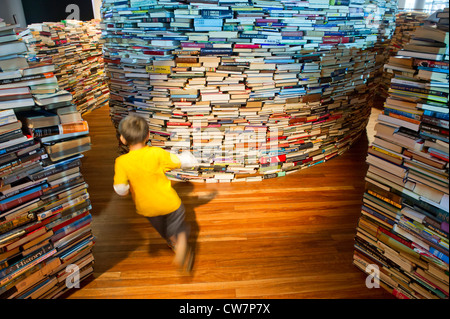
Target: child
142 172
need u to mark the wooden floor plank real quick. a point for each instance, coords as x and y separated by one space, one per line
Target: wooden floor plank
289 237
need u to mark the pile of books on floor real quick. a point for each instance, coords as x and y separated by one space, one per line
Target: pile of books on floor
405 24
74 48
255 89
403 229
45 220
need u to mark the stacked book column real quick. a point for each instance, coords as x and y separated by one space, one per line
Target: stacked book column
403 231
45 222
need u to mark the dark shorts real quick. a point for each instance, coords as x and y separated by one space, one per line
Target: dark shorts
171 224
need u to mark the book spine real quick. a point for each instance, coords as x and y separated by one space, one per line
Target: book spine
16 147
71 228
62 207
5 205
26 260
434 129
28 266
27 78
435 121
418 90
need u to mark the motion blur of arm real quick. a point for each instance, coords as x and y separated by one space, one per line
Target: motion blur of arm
187 160
122 189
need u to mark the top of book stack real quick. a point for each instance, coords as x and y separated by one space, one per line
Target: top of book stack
403 229
74 48
405 24
44 204
255 89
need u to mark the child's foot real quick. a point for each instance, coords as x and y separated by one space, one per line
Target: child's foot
185 260
171 245
181 250
189 260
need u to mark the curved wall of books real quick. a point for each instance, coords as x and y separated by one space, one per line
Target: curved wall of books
255 89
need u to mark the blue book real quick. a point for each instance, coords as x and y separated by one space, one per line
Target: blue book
73 226
433 69
431 135
208 22
216 13
438 115
439 254
291 38
76 247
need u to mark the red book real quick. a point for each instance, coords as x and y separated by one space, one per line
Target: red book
439 156
247 46
153 52
292 33
431 64
16 202
335 39
267 20
274 159
178 124
193 45
114 61
393 236
70 221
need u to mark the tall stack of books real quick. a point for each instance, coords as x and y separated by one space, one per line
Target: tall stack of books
403 230
45 220
74 48
405 24
255 89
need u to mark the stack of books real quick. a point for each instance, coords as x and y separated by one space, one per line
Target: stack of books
255 89
403 229
45 220
405 24
74 48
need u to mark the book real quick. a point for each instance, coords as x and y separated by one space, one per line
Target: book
403 224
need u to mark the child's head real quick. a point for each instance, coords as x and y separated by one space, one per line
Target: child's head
133 130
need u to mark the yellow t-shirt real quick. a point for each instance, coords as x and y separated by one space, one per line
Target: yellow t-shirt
143 170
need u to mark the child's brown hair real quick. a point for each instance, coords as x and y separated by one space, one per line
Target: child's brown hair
134 129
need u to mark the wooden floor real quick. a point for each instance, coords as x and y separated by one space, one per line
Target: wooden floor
284 238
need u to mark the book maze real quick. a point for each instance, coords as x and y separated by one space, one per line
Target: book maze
255 89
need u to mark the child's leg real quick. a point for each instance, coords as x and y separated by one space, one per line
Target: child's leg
160 224
181 246
178 231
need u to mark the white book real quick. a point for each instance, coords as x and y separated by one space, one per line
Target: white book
10 48
398 122
14 104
